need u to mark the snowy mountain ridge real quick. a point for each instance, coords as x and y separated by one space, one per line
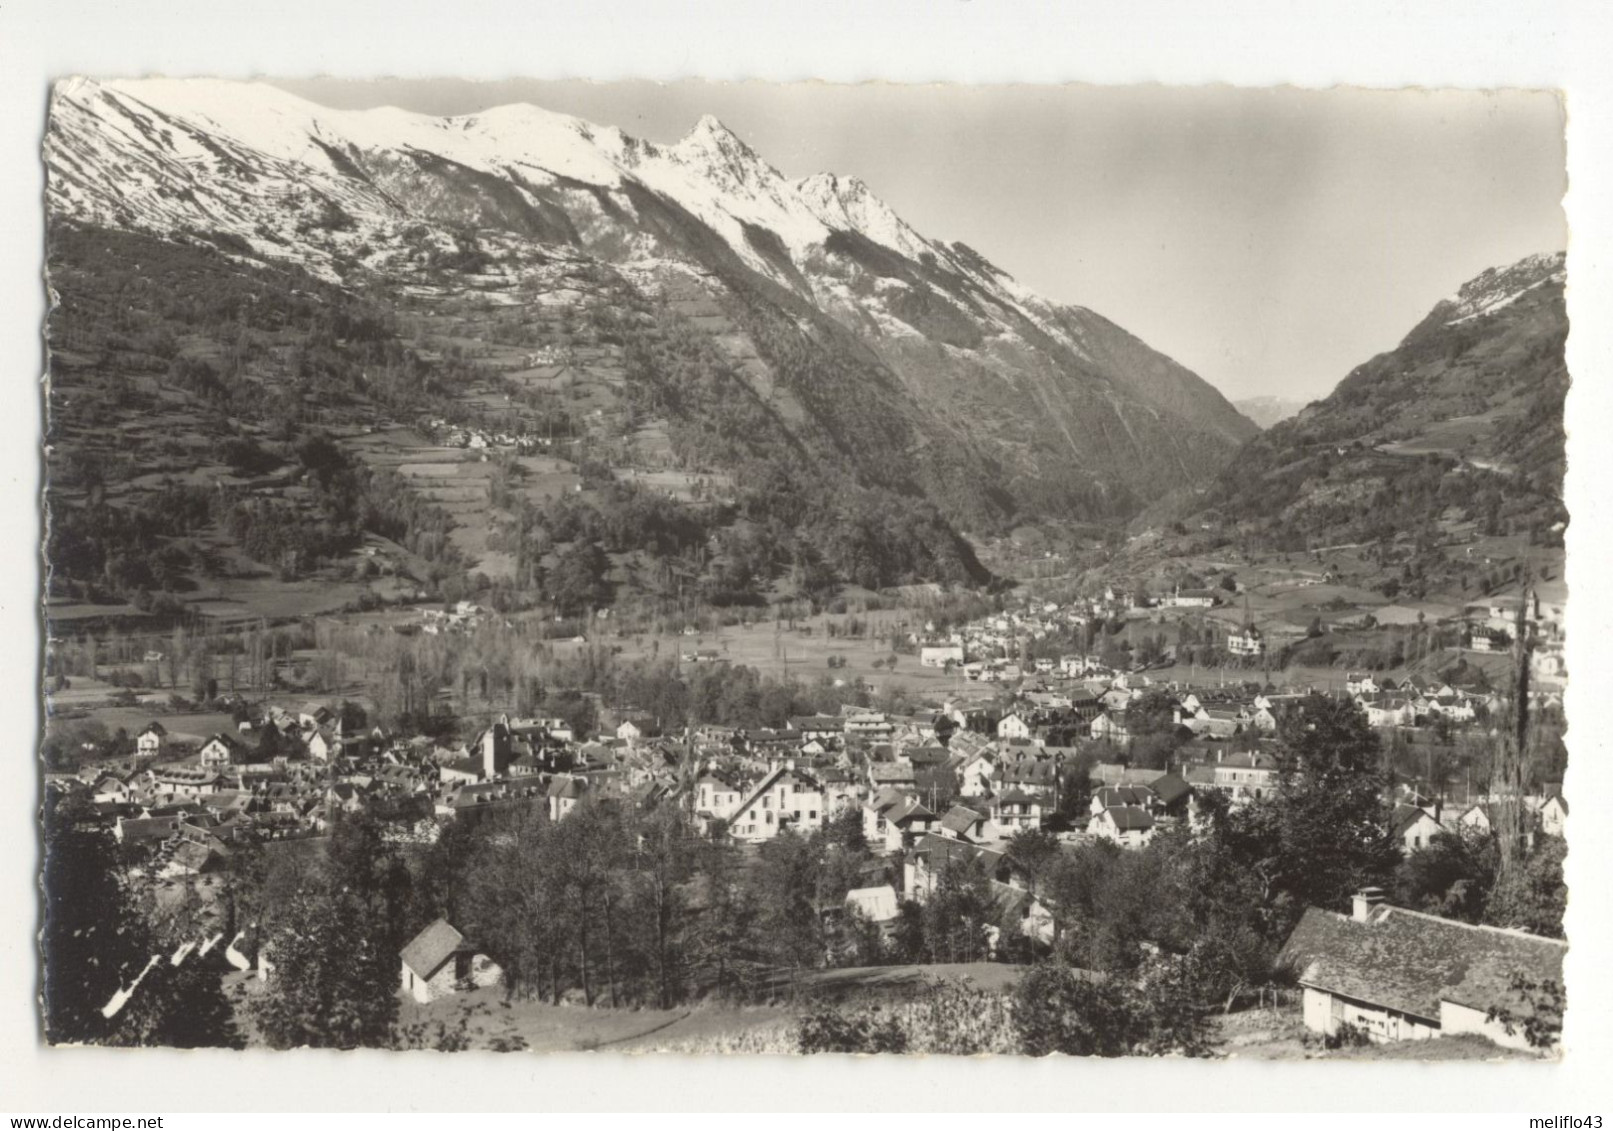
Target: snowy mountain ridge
997 403
211 127
1499 287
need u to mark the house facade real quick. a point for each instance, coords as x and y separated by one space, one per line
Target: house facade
1399 975
149 742
1414 827
439 962
785 798
1125 825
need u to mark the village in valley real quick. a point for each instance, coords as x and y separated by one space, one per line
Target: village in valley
662 606
1024 749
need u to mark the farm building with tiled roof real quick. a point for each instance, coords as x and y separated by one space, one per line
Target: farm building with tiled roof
1404 975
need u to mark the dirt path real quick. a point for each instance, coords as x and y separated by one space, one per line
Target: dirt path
684 1016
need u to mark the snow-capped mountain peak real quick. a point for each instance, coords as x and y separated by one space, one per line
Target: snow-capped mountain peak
517 203
1499 287
848 204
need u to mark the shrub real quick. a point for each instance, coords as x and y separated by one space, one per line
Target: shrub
944 1018
831 1030
1347 1036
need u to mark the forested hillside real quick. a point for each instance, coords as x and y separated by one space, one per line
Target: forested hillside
1464 417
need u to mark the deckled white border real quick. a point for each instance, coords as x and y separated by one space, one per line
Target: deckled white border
1385 43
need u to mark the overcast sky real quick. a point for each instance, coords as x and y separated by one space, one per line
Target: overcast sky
1270 240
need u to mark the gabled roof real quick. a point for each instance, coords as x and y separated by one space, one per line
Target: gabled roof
1029 771
1127 818
568 787
1405 816
758 789
818 722
910 809
959 819
927 755
1171 788
1113 773
1249 760
1410 962
433 946
941 850
1111 796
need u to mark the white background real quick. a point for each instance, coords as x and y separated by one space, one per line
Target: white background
1378 43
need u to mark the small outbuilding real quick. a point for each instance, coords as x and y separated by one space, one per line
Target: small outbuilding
1399 975
438 962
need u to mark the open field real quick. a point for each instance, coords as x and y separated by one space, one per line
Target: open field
491 1021
805 655
268 597
483 1019
575 1028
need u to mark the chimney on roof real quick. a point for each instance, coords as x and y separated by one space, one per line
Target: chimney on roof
1364 901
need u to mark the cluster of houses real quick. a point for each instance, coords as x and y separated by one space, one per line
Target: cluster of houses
479 439
465 616
1412 702
991 649
927 790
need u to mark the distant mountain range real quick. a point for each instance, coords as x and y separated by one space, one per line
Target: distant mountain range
911 364
1266 411
1463 417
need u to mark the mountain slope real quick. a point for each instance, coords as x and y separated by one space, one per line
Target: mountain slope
913 364
1464 416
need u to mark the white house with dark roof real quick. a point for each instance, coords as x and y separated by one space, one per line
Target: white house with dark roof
565 793
1013 726
149 742
221 751
962 823
1400 975
1125 825
1413 826
1110 796
438 962
785 798
893 819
